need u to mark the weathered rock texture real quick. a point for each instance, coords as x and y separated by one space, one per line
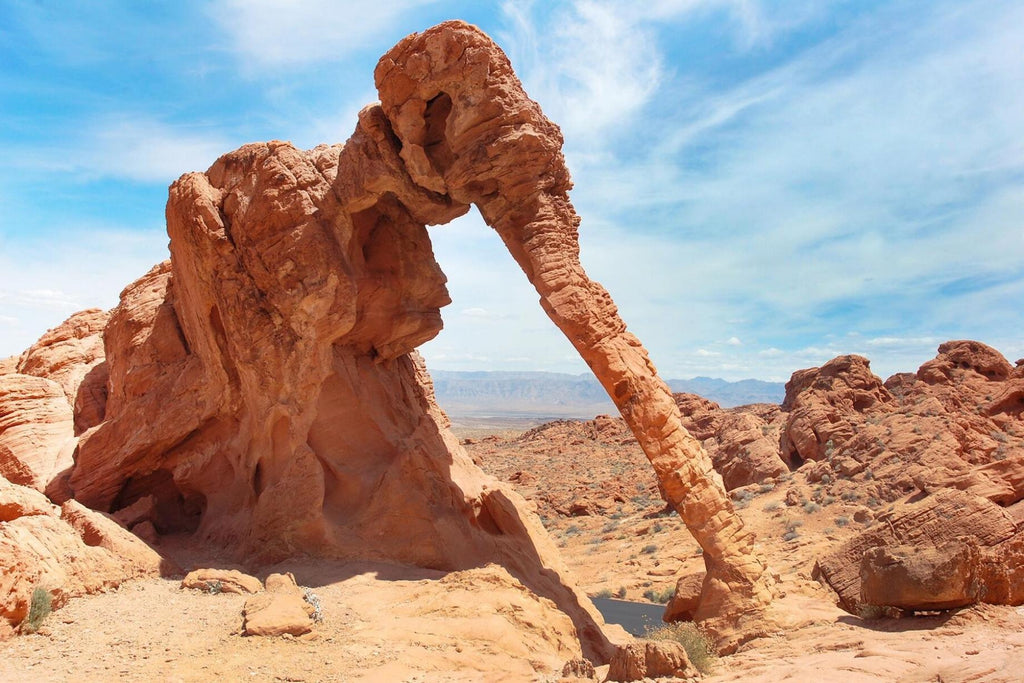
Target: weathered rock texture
50 393
950 549
281 610
743 442
467 131
650 659
956 423
68 550
221 581
260 388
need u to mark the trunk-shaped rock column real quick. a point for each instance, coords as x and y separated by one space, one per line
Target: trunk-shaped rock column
467 129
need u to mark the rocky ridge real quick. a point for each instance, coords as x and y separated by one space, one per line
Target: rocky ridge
853 456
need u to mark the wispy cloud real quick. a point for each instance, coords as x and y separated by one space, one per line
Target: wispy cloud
137 149
844 190
279 34
591 65
146 150
84 266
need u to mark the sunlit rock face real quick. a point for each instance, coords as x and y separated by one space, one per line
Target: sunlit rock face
261 388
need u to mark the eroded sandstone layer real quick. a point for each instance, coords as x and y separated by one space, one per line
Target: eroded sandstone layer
261 390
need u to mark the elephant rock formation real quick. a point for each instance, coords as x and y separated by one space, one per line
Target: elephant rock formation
261 387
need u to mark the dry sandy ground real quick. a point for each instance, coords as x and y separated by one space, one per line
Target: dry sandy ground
381 623
391 624
387 623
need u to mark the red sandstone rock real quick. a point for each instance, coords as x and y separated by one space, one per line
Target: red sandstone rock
144 509
648 659
36 431
260 388
910 577
97 530
281 610
954 424
20 501
932 529
826 404
67 353
71 552
684 602
222 581
468 131
743 445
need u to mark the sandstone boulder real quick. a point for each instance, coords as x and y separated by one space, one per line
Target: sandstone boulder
281 610
646 659
743 445
922 578
684 602
911 551
825 405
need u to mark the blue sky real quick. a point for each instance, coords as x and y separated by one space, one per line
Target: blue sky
763 185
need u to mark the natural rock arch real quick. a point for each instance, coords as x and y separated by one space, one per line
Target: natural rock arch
468 130
263 386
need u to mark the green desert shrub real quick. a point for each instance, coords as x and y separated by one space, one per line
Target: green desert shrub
698 648
661 598
39 608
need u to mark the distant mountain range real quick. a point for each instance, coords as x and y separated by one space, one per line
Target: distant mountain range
552 394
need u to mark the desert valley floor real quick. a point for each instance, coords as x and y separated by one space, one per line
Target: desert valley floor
385 622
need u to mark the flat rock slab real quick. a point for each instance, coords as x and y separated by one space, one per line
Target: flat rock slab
223 581
281 610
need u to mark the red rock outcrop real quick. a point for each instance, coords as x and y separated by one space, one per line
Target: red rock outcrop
911 577
956 423
651 659
826 405
36 430
743 442
261 387
69 352
950 549
39 393
69 551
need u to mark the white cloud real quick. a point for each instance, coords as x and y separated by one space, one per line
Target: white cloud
139 149
147 150
84 267
597 69
275 33
734 341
